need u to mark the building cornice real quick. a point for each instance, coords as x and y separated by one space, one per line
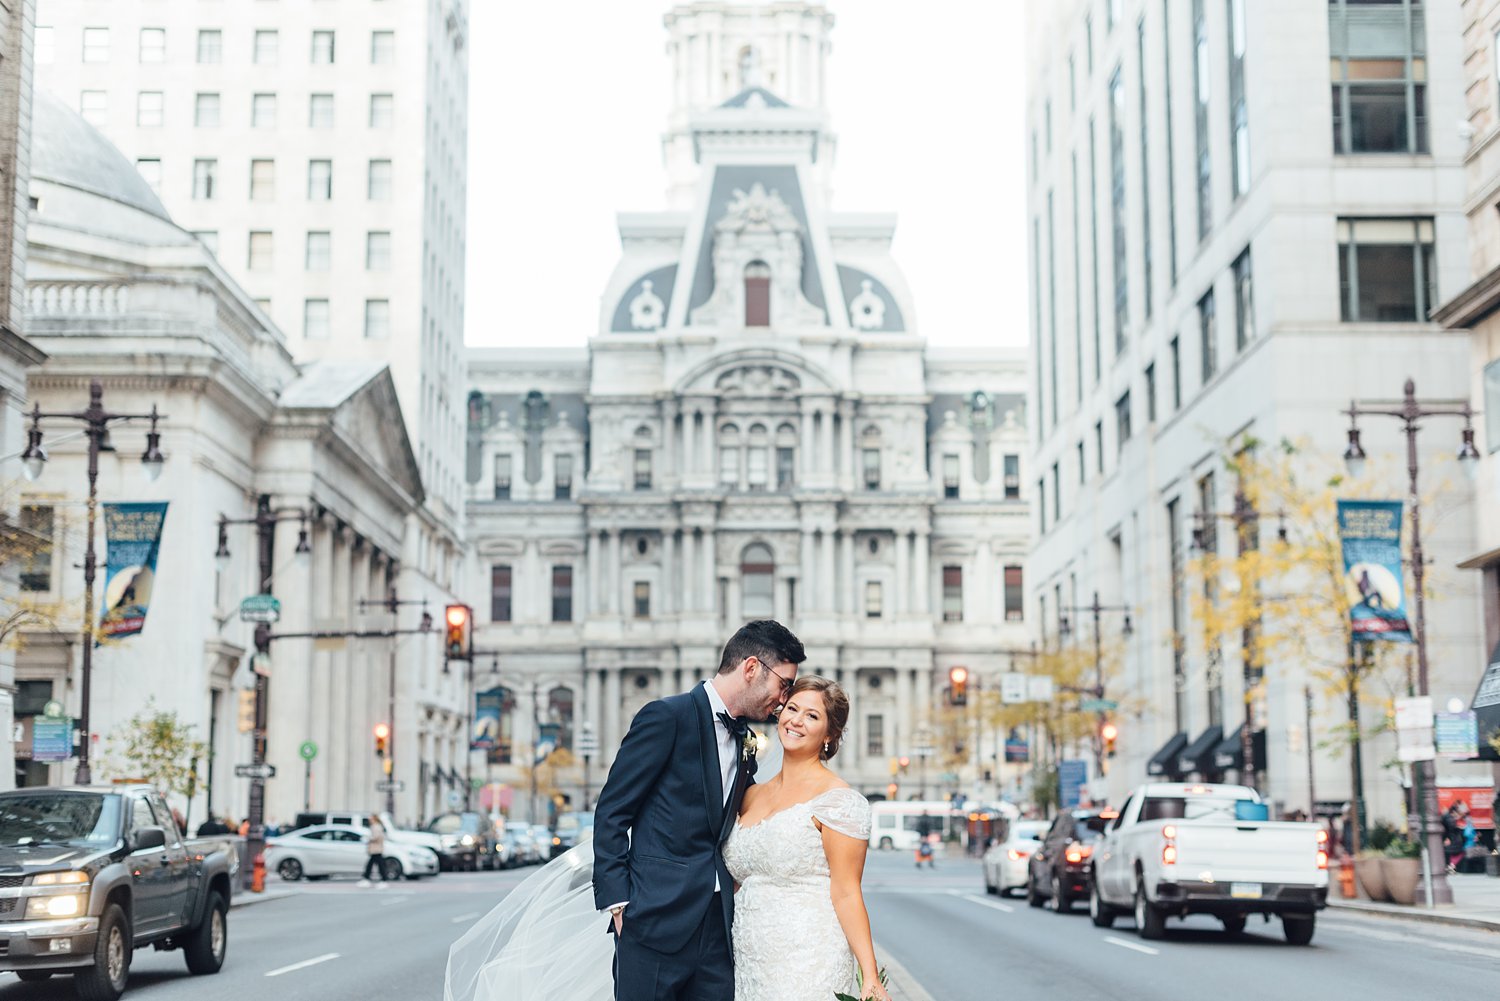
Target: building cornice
1473 304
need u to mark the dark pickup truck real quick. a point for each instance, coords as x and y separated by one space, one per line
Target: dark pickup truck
88 874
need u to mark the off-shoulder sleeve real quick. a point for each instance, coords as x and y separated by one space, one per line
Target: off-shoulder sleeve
844 810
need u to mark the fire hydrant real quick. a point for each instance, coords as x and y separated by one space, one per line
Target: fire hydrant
258 874
1346 880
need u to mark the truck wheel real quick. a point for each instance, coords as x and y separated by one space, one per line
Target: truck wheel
289 870
1234 924
105 979
1100 913
1298 928
1150 922
1060 902
32 976
886 844
205 947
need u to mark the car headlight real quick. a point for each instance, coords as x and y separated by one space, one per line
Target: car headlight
59 878
468 839
449 841
64 905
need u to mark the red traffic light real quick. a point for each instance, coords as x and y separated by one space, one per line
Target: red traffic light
457 615
458 632
1109 732
382 739
904 761
958 686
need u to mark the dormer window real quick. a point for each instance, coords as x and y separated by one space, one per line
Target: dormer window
502 477
757 294
563 478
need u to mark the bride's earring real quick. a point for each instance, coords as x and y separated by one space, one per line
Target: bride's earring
825 748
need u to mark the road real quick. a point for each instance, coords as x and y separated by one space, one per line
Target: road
336 941
962 945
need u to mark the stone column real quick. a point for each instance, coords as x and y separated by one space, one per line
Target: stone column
668 470
595 577
901 727
668 603
903 573
825 446
612 733
709 579
849 587
807 559
336 768
827 589
706 436
922 573
805 462
853 740
616 569
324 541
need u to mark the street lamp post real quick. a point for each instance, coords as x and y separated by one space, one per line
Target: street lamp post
1065 628
96 421
1410 412
1246 520
923 751
265 521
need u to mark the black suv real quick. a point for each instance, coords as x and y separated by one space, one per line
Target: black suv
1059 871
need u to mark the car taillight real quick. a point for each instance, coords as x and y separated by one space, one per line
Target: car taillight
1016 856
1169 848
1322 849
1077 853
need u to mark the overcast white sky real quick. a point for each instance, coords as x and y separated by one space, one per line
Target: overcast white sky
567 102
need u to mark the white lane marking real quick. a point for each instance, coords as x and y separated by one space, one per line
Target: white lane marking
971 898
1135 946
304 964
393 901
463 917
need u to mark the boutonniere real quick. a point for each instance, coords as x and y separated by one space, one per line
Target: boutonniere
755 742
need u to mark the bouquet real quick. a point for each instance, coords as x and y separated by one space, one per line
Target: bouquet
859 980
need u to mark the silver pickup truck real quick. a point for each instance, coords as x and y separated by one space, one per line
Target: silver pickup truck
1178 849
88 874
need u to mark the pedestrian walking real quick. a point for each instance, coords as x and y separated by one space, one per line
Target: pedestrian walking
375 847
213 825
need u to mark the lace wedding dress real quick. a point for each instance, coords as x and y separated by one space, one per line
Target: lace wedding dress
788 944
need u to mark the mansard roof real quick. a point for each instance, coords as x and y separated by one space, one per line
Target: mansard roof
753 97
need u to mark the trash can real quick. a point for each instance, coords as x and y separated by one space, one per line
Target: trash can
1492 864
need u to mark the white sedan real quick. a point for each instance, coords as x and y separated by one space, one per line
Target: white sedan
325 850
1005 862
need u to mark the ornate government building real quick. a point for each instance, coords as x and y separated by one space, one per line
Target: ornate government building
756 429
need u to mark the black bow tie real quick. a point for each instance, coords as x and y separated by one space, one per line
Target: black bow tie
737 725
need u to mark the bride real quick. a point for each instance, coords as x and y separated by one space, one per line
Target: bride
797 854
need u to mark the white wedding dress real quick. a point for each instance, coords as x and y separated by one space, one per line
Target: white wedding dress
788 943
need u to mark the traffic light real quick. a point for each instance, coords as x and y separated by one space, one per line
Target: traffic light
247 710
891 791
904 762
382 739
1108 734
459 629
958 686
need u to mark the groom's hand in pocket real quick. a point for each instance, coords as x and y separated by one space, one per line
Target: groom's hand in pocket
619 918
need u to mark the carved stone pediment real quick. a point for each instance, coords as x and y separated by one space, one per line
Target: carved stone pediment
758 227
758 380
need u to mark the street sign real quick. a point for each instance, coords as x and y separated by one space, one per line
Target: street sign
1414 713
261 608
588 744
260 663
1071 775
255 771
308 750
1098 705
1012 688
390 785
51 739
1457 735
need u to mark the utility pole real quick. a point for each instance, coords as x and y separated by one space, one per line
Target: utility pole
1065 628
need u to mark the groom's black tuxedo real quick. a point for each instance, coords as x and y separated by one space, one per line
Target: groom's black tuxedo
659 824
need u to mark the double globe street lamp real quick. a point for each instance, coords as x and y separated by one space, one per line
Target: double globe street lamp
96 422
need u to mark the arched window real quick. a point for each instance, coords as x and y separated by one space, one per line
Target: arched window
729 455
757 582
786 457
757 294
758 458
558 730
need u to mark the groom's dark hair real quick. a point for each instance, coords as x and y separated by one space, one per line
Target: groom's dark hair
767 640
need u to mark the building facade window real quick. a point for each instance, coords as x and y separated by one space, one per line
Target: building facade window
500 593
259 256
1015 594
319 255
96 45
148 109
786 467
870 457
1151 393
1056 492
267 50
1208 337
757 582
206 111
322 48
382 111
562 477
93 106
1099 447
643 469
1179 613
1244 301
1122 421
1386 270
377 319
379 187
1202 93
874 599
1094 252
1239 115
315 319
210 46
1041 505
875 735
1166 94
320 111
1012 465
757 294
562 594
382 48
950 476
1492 407
378 250
642 599
262 180
1117 207
150 169
1175 350
39 522
153 45
502 477
1379 71
758 459
953 594
263 111
1140 62
205 175
1083 469
319 180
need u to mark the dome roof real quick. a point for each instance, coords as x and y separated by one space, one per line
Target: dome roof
67 150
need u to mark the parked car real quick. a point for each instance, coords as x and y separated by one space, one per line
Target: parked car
528 849
393 833
518 849
325 850
99 873
1179 849
468 839
547 842
573 828
1059 870
1005 862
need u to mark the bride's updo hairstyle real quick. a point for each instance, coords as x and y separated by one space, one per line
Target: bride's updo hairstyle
835 709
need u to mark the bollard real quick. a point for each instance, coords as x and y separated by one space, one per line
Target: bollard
258 874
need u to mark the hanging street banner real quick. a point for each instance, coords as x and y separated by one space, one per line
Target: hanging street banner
1371 535
132 533
487 709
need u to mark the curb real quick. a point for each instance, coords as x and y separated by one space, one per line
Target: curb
245 898
1421 914
902 984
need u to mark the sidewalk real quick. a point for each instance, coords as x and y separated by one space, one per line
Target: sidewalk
1476 904
244 898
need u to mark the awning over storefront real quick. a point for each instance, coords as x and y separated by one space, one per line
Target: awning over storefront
1199 755
1486 706
1231 750
1163 763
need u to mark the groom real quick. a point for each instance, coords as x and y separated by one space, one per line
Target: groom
664 812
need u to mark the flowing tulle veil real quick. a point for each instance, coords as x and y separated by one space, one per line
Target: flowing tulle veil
544 942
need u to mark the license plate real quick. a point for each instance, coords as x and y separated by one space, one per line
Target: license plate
1244 891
